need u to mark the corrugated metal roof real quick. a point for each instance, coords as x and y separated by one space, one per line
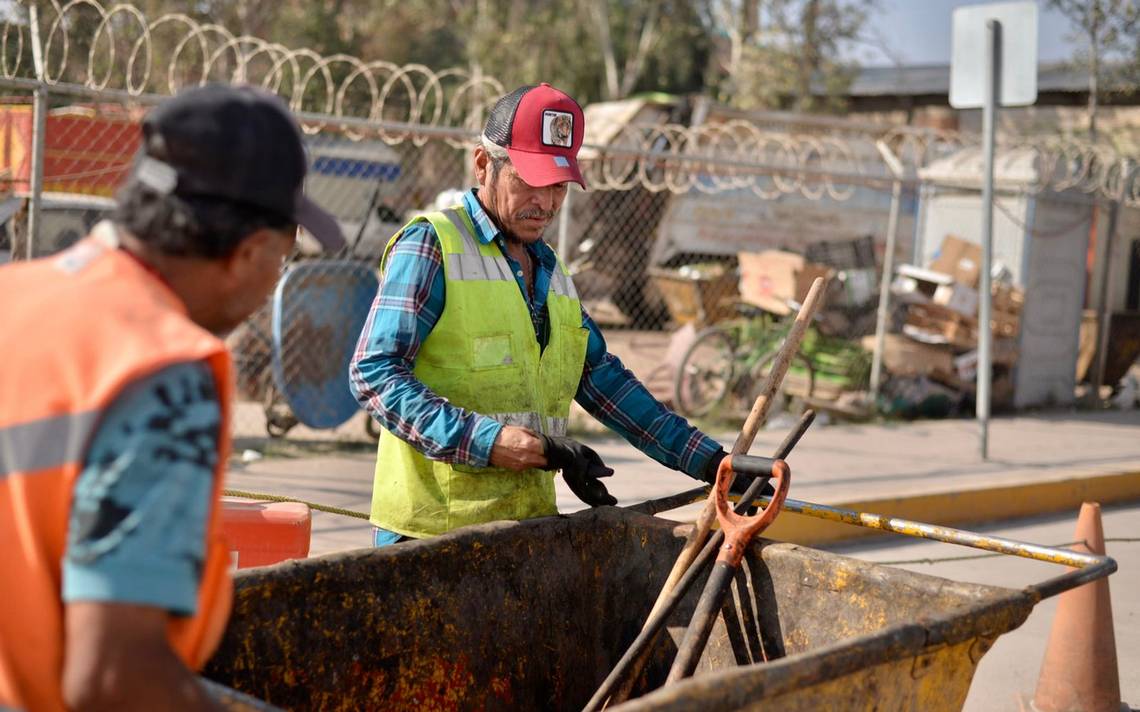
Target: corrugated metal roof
935 80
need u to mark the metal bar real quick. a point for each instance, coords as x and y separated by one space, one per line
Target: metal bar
79 90
39 125
738 534
985 332
699 494
1089 566
1104 309
673 501
854 178
895 165
37 46
629 666
697 634
631 661
36 186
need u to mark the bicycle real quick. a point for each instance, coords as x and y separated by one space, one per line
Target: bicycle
727 364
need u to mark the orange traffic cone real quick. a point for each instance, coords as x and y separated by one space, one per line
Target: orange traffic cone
1079 672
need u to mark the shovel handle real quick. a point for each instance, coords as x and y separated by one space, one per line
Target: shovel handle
738 532
739 529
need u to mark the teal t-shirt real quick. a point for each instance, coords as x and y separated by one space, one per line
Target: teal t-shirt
138 519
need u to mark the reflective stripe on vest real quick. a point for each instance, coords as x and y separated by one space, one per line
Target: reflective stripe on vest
470 265
483 357
80 327
45 443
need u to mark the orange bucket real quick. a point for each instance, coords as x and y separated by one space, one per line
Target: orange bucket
263 533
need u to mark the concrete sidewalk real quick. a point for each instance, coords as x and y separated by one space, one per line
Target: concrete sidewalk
929 471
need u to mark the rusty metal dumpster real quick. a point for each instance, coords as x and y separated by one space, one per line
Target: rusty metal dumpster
533 615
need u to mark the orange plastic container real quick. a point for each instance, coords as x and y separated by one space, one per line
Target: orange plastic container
263 533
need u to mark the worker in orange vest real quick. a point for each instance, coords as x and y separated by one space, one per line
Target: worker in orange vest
115 396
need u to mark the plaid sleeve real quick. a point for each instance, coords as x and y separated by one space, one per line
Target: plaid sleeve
612 394
406 309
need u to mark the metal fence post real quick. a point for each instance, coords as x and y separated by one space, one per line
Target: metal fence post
36 187
985 309
896 168
1104 292
39 127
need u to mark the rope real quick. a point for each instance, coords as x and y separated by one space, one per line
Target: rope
311 505
974 557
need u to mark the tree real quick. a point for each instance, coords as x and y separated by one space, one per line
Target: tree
595 49
1108 30
787 54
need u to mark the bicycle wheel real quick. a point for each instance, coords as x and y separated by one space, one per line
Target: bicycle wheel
798 383
706 373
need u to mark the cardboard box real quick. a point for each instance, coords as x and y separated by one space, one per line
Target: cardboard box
906 357
960 259
934 323
769 278
1004 355
958 297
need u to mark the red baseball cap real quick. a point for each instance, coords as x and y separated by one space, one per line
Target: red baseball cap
541 128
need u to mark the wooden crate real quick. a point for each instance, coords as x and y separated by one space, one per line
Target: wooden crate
954 328
700 300
957 329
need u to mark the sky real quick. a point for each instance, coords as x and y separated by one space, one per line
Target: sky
918 32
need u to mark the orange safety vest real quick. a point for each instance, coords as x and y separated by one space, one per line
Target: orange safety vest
77 328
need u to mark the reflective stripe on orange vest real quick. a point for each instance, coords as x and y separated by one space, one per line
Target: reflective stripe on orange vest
47 442
78 328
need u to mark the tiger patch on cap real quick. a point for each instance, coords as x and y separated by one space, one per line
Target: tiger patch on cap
557 128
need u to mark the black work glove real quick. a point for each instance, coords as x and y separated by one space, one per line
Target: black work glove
581 467
740 484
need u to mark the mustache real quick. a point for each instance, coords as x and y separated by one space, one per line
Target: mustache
534 213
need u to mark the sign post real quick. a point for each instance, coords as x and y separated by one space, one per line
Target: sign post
994 63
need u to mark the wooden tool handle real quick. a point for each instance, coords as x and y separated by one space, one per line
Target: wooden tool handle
743 444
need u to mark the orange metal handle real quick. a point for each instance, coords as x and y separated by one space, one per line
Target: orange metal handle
739 529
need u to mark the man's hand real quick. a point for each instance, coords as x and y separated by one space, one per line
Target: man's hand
517 449
581 467
117 658
740 484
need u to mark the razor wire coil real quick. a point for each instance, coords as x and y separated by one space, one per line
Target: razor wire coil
769 157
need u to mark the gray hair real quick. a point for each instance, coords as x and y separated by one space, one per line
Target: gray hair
498 155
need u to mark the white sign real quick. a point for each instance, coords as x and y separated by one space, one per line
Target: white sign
1017 83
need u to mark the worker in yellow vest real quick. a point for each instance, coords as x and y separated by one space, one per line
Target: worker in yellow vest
477 343
114 407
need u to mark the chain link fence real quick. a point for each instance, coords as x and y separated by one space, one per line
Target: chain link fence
655 244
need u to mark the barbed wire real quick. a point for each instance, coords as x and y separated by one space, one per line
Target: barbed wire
739 155
122 54
117 48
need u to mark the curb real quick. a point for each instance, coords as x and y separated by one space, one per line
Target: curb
974 506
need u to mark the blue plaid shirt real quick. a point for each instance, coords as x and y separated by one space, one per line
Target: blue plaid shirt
407 307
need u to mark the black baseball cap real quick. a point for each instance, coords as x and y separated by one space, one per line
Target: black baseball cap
232 143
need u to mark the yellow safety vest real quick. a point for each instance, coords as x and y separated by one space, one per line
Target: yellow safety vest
482 356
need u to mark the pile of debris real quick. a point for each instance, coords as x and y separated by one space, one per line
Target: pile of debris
932 350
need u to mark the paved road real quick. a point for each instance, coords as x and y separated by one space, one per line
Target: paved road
1011 668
